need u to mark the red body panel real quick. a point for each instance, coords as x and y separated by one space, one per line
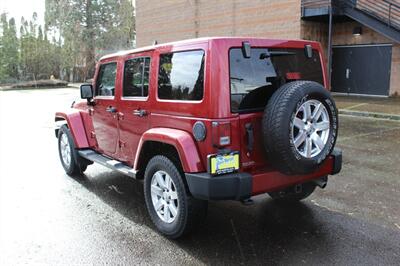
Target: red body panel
129 135
274 180
181 140
75 124
171 122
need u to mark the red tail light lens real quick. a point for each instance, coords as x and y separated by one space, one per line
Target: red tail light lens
293 75
221 134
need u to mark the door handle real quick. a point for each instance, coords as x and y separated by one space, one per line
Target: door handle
111 109
140 112
120 116
348 73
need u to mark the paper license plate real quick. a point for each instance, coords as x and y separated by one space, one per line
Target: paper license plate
222 164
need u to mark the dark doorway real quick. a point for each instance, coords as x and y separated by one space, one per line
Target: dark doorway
361 69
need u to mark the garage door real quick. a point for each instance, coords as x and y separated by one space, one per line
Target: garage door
361 69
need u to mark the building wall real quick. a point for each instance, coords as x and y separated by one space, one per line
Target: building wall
315 31
171 20
343 35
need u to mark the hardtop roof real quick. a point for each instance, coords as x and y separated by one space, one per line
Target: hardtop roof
193 41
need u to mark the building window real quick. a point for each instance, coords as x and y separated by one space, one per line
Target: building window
105 83
136 77
181 76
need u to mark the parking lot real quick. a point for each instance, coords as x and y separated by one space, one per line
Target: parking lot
100 218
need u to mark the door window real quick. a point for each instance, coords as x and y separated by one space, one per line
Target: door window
136 77
105 84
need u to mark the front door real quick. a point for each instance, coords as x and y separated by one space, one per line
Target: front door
105 120
361 69
134 104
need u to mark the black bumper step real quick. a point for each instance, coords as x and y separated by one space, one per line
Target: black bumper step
93 156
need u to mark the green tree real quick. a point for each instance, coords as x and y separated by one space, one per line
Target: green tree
8 49
29 50
87 29
39 58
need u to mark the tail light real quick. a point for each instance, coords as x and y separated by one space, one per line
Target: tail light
221 134
293 75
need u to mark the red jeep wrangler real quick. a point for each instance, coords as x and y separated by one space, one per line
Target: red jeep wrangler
207 119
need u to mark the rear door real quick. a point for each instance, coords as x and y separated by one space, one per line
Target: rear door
250 90
105 121
134 104
253 81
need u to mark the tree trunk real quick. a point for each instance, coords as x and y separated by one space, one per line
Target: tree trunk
90 50
71 75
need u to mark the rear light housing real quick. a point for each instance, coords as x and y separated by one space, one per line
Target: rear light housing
221 134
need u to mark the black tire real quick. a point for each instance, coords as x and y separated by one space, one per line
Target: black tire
191 211
294 193
278 127
77 164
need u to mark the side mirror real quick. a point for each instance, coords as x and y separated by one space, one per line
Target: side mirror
86 91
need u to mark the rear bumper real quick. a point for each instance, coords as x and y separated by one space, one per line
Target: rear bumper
225 187
237 186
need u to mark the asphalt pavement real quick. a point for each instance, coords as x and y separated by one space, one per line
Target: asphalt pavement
47 217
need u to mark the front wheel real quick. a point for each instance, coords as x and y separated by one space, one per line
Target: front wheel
72 163
172 209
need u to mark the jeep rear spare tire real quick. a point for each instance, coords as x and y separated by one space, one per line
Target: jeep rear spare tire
300 126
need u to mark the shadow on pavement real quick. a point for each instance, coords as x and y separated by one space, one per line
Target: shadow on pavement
265 232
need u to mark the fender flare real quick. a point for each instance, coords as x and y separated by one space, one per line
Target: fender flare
183 143
75 125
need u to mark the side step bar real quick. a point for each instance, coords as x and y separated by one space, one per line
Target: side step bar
93 156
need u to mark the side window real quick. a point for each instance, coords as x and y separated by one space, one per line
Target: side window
105 83
136 77
181 76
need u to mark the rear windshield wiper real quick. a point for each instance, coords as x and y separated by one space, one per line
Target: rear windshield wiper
275 53
239 79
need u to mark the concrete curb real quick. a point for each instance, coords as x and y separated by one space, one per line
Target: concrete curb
370 114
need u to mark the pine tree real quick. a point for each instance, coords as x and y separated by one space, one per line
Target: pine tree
89 28
81 31
8 49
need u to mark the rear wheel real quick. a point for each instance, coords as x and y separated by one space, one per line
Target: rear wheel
293 193
72 163
172 209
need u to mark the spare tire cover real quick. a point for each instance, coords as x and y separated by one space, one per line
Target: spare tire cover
300 126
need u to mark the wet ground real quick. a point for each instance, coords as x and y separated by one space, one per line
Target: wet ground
47 217
369 104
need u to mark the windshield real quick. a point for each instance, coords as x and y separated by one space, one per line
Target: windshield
254 79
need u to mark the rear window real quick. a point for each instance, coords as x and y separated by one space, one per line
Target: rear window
254 79
181 76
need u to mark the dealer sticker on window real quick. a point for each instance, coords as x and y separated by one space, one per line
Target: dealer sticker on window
223 163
